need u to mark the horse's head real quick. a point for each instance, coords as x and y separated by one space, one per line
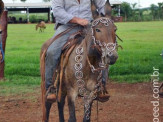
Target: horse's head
104 35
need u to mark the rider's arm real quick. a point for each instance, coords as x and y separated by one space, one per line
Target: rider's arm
100 4
63 17
59 12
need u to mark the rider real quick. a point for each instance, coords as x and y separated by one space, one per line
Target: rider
67 13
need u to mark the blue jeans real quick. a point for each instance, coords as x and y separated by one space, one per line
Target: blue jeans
54 52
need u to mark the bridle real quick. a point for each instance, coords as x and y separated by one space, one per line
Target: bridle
101 46
109 46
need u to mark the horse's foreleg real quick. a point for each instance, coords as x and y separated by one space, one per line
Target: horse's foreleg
61 107
40 30
71 104
45 105
46 110
87 112
48 107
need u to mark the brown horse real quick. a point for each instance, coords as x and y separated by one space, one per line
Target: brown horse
41 25
81 67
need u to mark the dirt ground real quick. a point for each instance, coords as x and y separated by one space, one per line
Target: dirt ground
128 103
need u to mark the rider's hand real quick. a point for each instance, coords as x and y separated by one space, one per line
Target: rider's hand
82 22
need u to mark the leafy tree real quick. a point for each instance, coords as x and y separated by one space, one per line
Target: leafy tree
23 1
46 0
153 9
134 5
133 10
160 10
126 10
140 14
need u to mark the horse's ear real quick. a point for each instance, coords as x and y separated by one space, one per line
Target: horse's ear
95 14
108 9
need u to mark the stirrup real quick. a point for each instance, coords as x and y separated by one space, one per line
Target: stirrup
51 94
103 95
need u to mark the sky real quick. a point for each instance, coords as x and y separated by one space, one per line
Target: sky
143 3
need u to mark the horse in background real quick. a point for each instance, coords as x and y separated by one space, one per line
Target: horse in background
41 25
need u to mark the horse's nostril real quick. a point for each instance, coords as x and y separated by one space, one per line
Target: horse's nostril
112 57
109 55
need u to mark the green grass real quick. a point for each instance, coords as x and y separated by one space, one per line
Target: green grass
22 58
143 43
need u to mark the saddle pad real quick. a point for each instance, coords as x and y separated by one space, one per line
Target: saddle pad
74 39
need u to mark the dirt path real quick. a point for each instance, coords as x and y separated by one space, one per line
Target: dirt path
128 103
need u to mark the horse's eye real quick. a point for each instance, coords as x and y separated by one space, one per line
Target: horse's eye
97 30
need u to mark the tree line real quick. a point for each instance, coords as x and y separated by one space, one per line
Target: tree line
132 12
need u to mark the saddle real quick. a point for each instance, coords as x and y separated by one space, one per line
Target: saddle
73 40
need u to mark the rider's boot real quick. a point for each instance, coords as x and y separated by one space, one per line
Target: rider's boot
103 96
51 94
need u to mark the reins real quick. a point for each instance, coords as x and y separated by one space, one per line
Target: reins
93 69
99 46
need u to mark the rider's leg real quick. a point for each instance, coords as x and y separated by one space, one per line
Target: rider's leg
104 76
53 55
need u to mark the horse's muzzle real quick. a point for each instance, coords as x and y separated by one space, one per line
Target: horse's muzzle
111 59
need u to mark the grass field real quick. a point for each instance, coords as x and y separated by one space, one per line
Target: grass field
143 43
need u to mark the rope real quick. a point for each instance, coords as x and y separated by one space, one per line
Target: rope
119 38
97 111
1 48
